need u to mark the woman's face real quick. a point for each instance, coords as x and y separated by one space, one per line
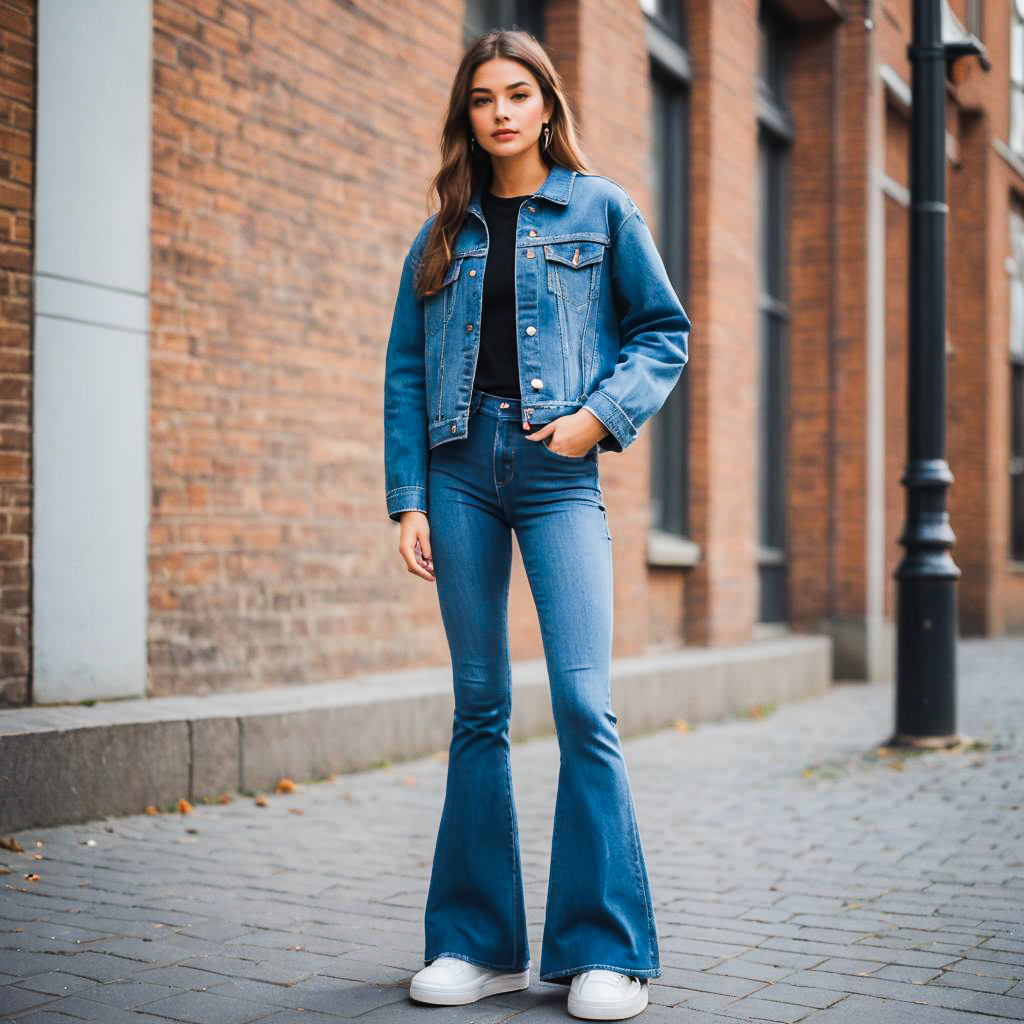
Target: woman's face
503 94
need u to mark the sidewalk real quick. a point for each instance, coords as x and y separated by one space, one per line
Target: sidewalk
796 878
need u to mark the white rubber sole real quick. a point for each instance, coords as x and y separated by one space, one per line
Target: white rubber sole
595 1010
470 992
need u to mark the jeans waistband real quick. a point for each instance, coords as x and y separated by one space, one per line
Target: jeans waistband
495 405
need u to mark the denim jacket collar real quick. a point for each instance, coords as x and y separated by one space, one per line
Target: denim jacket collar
557 187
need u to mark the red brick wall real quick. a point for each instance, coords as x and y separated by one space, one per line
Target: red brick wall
721 592
292 148
285 136
17 124
290 151
812 276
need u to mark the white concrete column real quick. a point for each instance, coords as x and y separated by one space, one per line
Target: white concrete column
91 350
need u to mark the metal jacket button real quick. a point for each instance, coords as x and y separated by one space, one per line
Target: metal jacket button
536 383
469 327
472 273
531 330
533 234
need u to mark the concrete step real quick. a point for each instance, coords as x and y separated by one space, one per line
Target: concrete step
70 763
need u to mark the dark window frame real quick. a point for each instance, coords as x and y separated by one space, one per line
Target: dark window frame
482 16
1015 354
775 138
1016 106
671 79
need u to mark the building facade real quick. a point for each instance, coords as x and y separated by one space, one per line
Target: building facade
207 203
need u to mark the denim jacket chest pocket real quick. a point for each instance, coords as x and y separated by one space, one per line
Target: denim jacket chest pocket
574 270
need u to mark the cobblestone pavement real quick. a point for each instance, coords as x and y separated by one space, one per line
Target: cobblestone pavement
797 876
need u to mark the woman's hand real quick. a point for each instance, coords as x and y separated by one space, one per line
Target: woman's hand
573 435
414 544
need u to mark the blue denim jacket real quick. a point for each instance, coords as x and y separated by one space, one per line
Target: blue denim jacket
599 326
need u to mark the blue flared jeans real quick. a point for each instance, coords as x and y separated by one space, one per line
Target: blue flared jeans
599 911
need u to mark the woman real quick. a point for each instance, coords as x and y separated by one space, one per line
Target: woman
535 325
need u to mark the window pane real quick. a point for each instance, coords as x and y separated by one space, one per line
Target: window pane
1017 52
1016 119
484 15
1017 462
1017 285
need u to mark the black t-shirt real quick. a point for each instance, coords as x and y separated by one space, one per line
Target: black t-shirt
497 368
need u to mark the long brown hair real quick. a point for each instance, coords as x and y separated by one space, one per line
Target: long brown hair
462 169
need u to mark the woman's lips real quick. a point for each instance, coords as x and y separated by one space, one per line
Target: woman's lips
503 135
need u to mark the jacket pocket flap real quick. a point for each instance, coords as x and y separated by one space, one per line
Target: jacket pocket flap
574 254
453 271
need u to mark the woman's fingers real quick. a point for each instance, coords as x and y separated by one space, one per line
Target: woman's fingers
414 546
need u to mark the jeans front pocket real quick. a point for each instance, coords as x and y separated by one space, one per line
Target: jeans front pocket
588 456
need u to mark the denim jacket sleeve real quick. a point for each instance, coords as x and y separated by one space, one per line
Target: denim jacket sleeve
405 400
653 330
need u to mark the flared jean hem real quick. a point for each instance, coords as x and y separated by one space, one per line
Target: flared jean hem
565 977
479 963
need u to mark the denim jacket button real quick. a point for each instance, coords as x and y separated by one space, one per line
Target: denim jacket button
454 428
536 383
469 327
532 209
472 273
531 330
533 234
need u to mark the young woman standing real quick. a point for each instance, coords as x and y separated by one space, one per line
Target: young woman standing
534 326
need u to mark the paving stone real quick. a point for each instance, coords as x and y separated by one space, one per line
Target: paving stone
14 998
865 1010
56 983
206 1008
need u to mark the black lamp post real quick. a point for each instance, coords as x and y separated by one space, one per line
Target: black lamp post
926 576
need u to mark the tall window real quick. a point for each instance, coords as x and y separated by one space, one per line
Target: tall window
484 15
1017 386
775 134
670 82
975 18
1017 76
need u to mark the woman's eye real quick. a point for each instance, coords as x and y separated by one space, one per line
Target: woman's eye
483 99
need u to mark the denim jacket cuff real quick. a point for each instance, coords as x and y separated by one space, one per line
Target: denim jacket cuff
402 499
622 432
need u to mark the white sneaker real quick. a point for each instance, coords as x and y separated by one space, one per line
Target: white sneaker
599 994
449 981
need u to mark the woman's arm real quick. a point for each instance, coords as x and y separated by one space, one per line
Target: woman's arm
405 401
654 335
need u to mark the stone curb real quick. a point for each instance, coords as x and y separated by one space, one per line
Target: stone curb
72 763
